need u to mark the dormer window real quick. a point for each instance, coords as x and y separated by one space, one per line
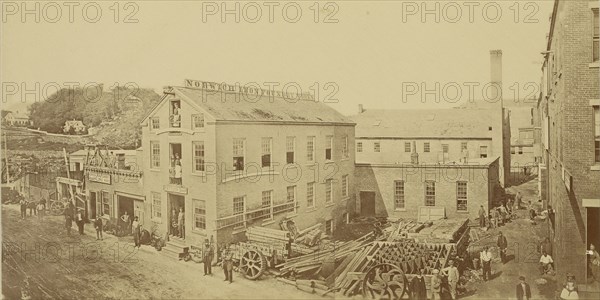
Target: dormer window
175 115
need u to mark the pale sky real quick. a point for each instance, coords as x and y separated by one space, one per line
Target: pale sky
370 53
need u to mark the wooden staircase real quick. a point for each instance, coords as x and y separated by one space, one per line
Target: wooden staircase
175 248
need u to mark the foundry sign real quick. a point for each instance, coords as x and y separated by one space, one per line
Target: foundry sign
290 90
99 177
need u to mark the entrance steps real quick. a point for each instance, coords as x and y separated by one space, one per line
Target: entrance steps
175 248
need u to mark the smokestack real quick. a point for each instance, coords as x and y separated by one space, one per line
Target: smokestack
360 109
414 156
495 76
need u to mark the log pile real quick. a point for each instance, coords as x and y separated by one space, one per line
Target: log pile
311 264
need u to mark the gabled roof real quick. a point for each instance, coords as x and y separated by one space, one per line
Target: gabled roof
264 108
4 113
427 123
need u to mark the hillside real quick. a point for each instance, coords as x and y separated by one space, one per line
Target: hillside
111 118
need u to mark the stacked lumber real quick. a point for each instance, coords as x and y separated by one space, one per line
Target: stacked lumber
318 287
312 263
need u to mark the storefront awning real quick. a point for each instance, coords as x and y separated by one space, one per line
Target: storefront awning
590 203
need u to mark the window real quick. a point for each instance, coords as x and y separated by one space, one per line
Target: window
483 151
238 154
310 194
198 156
328 190
345 186
490 128
359 147
197 121
267 199
461 196
463 146
238 205
310 148
155 155
407 147
445 148
199 214
290 145
106 203
155 123
266 151
399 194
512 150
377 146
328 146
291 194
345 147
426 147
156 205
597 131
429 193
520 150
596 37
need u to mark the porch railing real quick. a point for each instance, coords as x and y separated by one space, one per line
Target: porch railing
242 219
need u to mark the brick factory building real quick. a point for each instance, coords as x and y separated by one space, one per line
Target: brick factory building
570 122
232 157
444 158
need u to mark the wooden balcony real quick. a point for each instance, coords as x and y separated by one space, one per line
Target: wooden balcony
242 220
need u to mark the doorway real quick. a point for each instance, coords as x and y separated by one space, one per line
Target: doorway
93 205
175 206
367 203
593 237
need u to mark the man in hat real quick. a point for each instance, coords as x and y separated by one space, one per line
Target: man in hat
79 220
523 289
99 226
417 286
482 217
436 285
207 256
502 244
452 273
227 257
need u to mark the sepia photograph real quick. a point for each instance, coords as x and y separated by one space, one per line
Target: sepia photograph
300 149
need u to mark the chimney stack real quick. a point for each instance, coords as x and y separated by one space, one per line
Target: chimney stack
360 109
495 77
414 156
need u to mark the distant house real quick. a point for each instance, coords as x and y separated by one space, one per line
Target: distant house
74 126
10 118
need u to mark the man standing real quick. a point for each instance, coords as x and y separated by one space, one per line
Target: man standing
502 244
417 286
227 257
136 231
486 260
546 246
180 223
481 217
545 263
518 203
207 256
98 225
436 285
79 221
40 210
452 273
523 290
495 217
23 204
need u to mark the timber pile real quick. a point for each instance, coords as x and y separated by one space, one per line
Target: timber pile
309 236
441 231
318 287
311 264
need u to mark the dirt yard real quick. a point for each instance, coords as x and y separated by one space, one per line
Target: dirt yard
77 267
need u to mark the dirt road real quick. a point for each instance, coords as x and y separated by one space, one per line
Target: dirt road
77 267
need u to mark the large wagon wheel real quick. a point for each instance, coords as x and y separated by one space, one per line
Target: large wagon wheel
252 264
57 207
384 281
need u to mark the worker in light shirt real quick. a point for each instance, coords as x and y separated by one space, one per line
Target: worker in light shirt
486 260
545 263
